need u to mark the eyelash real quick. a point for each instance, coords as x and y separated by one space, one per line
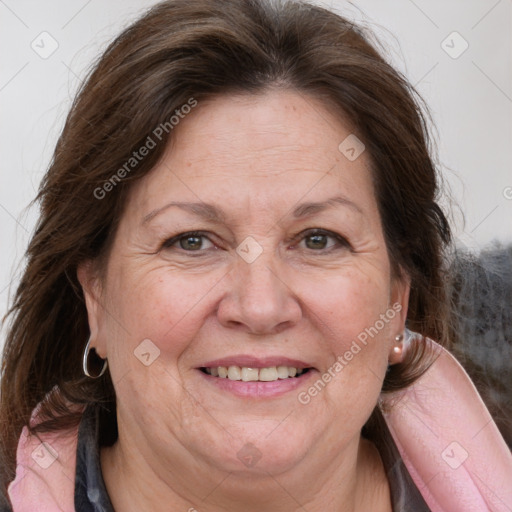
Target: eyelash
172 241
342 242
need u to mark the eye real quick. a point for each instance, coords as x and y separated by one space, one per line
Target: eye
322 240
192 241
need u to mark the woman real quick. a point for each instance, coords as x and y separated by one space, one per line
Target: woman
239 220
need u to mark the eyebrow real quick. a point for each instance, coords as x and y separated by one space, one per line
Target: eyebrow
212 213
204 210
307 209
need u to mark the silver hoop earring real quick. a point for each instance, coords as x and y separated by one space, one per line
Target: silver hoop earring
85 362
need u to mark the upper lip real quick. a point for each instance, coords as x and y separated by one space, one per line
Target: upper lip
255 362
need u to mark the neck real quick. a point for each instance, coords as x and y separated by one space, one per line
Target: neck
354 481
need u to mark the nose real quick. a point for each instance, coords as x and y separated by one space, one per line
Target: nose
260 299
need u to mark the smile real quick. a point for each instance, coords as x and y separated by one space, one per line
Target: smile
249 374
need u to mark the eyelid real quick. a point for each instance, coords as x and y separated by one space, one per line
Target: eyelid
168 243
298 237
321 231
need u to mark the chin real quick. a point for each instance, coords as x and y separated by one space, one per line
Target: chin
269 447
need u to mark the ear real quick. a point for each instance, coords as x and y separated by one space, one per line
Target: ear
91 286
400 290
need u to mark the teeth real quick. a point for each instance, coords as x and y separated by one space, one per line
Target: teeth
247 374
282 372
268 374
234 373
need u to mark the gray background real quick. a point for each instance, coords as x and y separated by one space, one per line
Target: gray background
470 98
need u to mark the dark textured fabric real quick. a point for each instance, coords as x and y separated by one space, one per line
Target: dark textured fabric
90 492
4 504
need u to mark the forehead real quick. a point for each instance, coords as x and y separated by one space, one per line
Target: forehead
278 146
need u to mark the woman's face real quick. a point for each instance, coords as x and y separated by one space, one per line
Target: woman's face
286 270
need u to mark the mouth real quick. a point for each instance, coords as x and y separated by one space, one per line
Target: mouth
256 377
251 374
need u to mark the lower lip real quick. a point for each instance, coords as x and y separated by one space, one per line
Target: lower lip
257 389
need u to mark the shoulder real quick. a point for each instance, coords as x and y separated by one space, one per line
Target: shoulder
436 423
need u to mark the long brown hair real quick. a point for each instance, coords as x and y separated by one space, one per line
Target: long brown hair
183 49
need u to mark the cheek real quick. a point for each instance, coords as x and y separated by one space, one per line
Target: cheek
349 304
165 307
356 320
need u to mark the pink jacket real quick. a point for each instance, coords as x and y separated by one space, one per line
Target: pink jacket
446 437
